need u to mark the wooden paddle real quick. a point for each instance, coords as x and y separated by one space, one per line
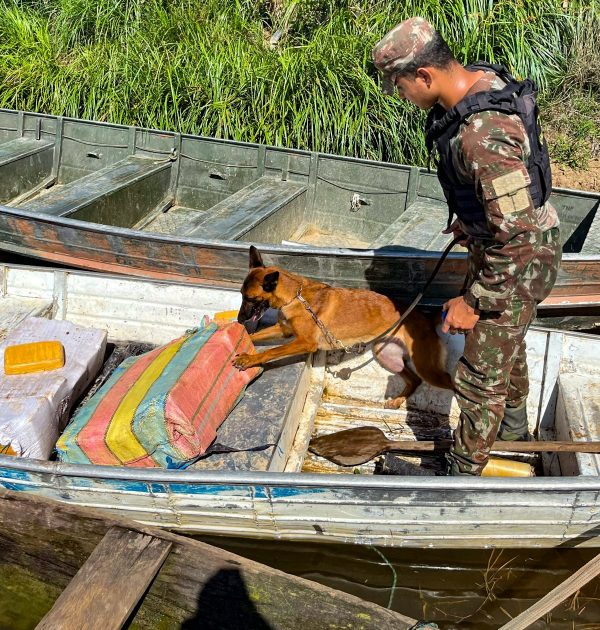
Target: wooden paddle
353 447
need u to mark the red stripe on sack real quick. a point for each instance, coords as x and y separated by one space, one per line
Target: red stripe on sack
208 398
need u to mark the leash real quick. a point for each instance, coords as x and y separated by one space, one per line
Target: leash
359 347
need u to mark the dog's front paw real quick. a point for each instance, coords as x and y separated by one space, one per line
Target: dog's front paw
243 361
394 403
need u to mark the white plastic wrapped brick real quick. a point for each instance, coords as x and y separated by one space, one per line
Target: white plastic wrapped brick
34 406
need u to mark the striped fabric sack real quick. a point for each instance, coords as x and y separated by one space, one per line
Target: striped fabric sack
162 408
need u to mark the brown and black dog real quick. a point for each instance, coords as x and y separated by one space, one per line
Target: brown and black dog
350 316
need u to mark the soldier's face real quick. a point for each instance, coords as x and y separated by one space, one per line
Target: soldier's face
417 90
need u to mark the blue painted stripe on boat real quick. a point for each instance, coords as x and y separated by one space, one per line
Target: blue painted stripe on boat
185 488
12 473
158 488
139 487
13 486
285 493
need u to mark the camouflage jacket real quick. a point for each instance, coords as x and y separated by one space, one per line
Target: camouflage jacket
490 151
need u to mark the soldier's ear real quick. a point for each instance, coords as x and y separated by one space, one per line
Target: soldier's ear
255 258
424 74
270 282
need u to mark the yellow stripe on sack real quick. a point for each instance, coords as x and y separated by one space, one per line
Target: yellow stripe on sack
120 438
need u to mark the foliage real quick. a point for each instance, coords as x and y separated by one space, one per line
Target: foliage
572 109
295 73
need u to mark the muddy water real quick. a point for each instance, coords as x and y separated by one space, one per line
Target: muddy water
457 589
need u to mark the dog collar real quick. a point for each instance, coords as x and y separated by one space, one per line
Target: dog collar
298 296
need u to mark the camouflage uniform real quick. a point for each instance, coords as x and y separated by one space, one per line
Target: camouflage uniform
507 278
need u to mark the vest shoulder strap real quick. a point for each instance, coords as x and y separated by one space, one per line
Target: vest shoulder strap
497 68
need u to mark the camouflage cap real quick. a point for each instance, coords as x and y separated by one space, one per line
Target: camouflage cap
399 47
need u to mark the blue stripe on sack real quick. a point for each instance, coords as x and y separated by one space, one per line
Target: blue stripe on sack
149 424
67 447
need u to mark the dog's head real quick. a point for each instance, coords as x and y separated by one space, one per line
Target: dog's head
257 291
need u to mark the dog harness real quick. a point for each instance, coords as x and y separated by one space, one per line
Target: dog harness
516 97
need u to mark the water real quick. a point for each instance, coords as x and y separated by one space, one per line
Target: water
455 588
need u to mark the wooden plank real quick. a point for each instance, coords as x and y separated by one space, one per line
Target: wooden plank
47 542
571 585
418 227
106 589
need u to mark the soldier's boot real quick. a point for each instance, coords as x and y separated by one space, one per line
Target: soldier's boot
451 468
514 426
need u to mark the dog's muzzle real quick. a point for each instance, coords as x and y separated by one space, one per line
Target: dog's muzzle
251 312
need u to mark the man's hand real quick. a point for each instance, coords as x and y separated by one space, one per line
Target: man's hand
460 317
455 230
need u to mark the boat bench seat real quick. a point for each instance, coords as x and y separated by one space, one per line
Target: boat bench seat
258 419
591 244
20 148
418 227
66 199
578 419
24 164
237 214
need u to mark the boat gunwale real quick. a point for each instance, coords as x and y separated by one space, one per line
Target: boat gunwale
314 481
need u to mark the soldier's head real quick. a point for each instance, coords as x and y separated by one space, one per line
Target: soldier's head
415 60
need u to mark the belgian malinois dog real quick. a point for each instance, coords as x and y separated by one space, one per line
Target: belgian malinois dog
320 316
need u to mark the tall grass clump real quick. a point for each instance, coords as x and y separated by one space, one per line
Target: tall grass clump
295 73
572 107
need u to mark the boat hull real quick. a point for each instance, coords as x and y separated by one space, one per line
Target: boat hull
365 509
394 512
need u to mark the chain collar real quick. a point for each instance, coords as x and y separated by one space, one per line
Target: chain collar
333 341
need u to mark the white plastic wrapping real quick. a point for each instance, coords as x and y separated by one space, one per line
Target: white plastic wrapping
34 406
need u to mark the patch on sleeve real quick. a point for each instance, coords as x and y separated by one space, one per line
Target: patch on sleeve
510 204
510 183
510 191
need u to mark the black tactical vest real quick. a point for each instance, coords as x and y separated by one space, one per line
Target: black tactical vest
517 97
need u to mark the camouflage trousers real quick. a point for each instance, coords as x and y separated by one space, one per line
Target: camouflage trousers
492 373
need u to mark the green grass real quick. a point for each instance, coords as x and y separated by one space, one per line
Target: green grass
572 109
208 67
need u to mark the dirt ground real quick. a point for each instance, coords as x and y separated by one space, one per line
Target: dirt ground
588 179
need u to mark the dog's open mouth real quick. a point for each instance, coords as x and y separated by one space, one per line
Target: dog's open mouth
251 312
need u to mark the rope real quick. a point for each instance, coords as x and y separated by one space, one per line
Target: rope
364 192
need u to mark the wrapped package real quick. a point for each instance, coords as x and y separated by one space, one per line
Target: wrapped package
34 407
162 408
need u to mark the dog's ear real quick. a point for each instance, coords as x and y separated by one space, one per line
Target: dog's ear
270 282
255 258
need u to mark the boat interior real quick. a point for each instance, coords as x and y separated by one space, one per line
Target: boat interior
300 398
205 188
